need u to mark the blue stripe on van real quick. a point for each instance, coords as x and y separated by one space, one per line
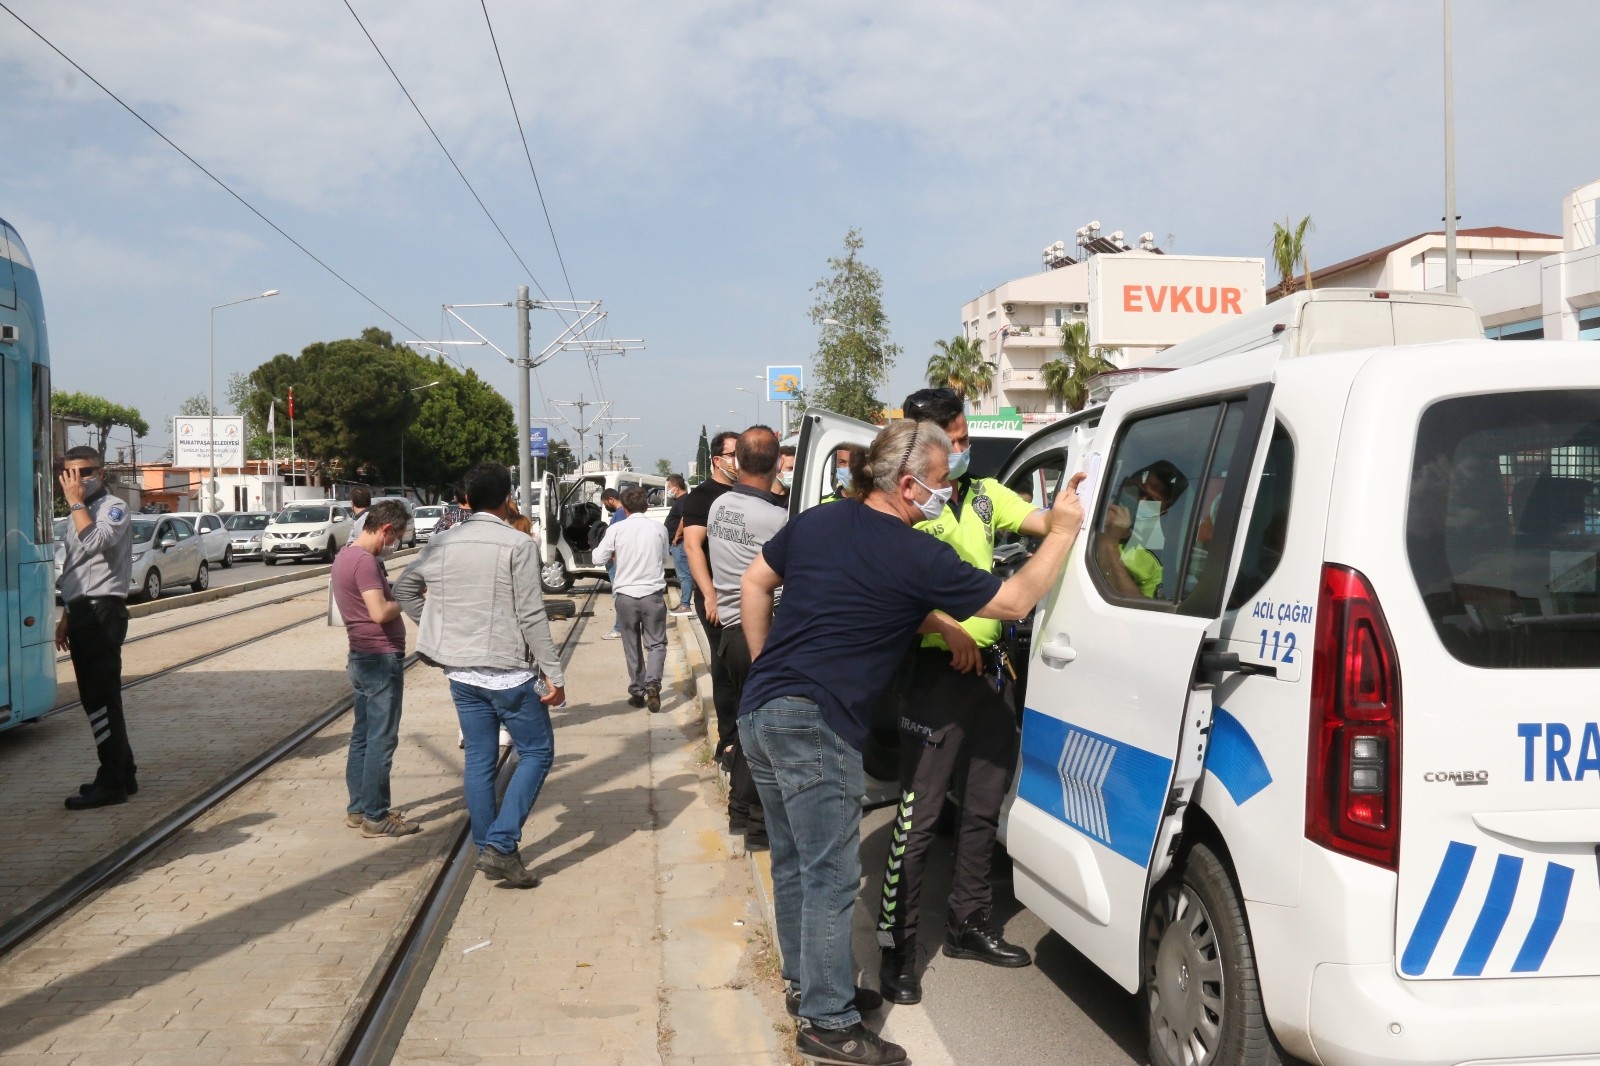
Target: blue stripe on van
1234 759
1546 920
1492 918
1437 908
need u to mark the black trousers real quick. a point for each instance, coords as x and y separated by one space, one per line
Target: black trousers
96 629
744 803
724 697
955 730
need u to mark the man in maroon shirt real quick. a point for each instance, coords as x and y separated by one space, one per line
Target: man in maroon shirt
376 667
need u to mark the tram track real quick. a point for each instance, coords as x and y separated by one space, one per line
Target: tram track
399 976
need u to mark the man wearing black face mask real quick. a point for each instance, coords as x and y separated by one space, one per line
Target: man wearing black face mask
956 725
95 574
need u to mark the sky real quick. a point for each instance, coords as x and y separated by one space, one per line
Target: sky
700 160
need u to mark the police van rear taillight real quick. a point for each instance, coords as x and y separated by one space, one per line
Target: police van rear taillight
1353 775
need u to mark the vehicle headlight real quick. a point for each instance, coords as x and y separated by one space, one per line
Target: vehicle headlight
256 539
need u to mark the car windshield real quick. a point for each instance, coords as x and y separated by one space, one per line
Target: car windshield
249 521
143 530
291 515
430 512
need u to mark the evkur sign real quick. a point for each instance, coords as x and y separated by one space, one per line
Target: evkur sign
1142 300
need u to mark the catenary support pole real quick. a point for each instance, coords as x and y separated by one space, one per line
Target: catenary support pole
524 403
1450 275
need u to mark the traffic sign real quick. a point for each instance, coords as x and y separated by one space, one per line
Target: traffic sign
539 441
784 381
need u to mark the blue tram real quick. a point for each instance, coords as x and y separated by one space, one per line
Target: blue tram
27 494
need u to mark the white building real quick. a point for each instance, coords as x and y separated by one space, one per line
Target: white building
1135 299
1556 296
1417 263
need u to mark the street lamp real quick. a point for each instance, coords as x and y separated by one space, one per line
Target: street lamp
756 396
419 388
211 412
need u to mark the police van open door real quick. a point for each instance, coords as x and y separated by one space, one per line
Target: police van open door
822 434
1118 699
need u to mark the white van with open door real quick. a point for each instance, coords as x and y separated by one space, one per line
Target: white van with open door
571 521
1311 741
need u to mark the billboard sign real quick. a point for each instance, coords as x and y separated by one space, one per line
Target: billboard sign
192 437
784 381
1007 418
539 441
1155 301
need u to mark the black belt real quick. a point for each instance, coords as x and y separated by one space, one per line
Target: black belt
81 600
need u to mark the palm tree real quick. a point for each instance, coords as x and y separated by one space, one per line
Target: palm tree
1067 378
959 364
1289 252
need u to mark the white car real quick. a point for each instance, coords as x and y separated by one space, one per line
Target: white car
166 552
307 529
1309 717
427 517
244 532
214 537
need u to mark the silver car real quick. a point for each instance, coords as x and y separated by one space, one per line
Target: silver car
214 537
166 552
244 533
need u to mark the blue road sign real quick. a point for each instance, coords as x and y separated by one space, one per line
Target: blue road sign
539 441
784 381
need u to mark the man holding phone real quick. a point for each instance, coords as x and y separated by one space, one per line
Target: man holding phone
96 571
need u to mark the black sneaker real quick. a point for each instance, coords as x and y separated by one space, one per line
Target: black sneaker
635 701
866 1001
652 697
756 840
498 866
855 1046
976 938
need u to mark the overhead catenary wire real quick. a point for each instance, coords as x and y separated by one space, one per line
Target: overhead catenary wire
346 282
436 140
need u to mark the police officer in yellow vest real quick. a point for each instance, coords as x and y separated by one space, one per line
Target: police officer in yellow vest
956 724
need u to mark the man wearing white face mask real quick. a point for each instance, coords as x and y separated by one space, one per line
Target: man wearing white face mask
956 725
376 668
785 478
1128 553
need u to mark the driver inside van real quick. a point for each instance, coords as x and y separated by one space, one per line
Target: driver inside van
1133 533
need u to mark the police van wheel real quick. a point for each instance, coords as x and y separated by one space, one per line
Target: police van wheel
152 584
1202 994
554 577
202 577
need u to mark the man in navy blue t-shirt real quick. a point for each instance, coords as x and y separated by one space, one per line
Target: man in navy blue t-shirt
858 584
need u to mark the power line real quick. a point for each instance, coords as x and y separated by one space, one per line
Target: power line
198 166
526 150
410 99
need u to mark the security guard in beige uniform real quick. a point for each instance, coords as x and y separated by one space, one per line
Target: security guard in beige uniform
955 726
95 575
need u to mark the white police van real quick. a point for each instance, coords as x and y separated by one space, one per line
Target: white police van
1311 745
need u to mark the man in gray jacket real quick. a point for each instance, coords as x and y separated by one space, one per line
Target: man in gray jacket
475 596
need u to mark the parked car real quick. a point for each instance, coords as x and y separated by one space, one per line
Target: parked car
306 529
214 536
426 519
166 552
244 533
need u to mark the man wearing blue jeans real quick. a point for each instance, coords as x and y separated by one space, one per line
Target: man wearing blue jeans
858 584
485 625
376 667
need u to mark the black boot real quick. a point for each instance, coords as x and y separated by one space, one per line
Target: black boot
97 796
897 974
976 938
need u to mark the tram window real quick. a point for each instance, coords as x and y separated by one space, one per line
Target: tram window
44 489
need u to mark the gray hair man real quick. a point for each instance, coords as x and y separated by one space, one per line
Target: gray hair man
637 549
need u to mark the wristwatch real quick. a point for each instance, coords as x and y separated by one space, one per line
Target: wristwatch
77 507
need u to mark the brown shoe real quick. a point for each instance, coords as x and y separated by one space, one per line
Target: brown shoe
392 825
652 697
353 819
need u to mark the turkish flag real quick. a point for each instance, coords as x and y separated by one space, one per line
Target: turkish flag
291 401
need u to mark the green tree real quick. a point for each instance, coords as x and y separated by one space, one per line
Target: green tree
1067 377
702 457
959 364
354 404
663 467
100 413
196 406
1288 253
854 352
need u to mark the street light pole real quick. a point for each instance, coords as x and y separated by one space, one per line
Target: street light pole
211 411
403 429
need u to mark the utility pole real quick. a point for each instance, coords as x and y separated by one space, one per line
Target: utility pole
608 419
1449 161
580 425
524 402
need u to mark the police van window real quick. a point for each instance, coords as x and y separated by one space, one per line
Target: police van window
1503 528
1269 521
1153 527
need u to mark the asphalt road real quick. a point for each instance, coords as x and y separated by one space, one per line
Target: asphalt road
1062 1010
